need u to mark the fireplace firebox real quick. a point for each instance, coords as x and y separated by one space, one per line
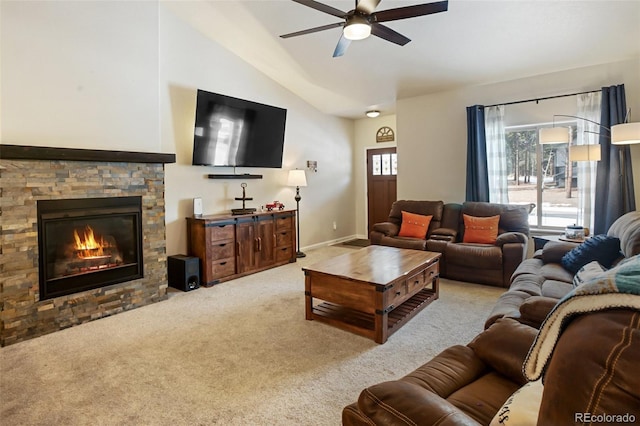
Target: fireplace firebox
88 243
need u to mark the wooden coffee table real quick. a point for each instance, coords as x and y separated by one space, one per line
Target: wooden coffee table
372 291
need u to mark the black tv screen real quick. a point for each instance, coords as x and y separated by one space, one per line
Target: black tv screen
237 133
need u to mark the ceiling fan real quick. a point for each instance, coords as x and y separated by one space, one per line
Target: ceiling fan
363 21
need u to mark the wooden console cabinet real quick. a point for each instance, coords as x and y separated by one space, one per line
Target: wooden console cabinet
233 246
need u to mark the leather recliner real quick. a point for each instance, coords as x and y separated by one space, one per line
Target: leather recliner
592 371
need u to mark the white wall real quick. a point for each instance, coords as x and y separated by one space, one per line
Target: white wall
191 61
80 74
365 138
432 129
123 76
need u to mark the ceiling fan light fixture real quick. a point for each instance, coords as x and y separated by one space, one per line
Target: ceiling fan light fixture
373 113
357 28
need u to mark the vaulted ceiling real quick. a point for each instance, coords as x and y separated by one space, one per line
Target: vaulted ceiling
474 42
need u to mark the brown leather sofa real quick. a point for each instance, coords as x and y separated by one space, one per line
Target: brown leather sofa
491 264
539 282
467 385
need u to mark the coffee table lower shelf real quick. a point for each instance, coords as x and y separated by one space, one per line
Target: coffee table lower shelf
363 323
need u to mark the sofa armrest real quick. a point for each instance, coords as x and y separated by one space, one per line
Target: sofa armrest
535 309
504 346
402 403
511 237
553 251
388 229
444 234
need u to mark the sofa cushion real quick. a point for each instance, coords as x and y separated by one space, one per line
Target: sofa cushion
528 266
480 256
505 333
482 398
602 248
556 289
553 251
426 208
528 283
555 271
404 242
482 230
627 228
515 219
414 225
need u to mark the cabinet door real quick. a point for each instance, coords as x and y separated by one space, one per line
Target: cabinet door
266 242
246 241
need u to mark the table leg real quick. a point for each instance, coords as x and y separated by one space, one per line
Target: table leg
308 300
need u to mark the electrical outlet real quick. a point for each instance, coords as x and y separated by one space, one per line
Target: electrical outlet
335 225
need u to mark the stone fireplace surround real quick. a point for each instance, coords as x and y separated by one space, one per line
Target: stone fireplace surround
29 174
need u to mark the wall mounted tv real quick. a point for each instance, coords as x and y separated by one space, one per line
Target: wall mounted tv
234 132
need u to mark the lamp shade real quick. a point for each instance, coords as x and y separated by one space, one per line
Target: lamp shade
297 178
550 135
585 152
625 134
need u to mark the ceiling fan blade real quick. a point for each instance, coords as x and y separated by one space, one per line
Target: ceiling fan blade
409 11
313 30
388 34
322 8
341 47
367 6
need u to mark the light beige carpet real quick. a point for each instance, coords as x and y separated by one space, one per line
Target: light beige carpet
239 353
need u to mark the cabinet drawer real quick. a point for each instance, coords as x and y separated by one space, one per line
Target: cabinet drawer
420 280
220 232
222 249
284 253
222 267
283 238
284 222
398 294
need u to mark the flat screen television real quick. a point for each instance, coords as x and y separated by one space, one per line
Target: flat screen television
233 132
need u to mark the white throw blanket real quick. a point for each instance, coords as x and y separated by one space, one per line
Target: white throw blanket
618 287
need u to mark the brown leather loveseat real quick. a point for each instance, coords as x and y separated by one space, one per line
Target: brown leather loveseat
481 263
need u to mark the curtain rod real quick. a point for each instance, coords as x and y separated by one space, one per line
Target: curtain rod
536 100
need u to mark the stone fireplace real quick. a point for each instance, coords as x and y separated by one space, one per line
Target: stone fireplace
82 236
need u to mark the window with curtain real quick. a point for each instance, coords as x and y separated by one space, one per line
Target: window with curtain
543 175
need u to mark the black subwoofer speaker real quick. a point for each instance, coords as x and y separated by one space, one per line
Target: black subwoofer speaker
184 272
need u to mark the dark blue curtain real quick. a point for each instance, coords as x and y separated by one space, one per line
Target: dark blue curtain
614 189
477 175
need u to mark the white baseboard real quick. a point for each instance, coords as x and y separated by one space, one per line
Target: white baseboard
333 242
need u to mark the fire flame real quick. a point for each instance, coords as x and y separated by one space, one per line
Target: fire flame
88 246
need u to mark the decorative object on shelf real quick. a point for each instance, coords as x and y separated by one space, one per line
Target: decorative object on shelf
385 134
312 165
275 205
297 178
243 210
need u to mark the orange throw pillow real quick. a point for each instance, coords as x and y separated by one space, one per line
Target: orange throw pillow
482 230
414 225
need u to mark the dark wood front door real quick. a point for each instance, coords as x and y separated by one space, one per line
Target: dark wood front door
381 184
